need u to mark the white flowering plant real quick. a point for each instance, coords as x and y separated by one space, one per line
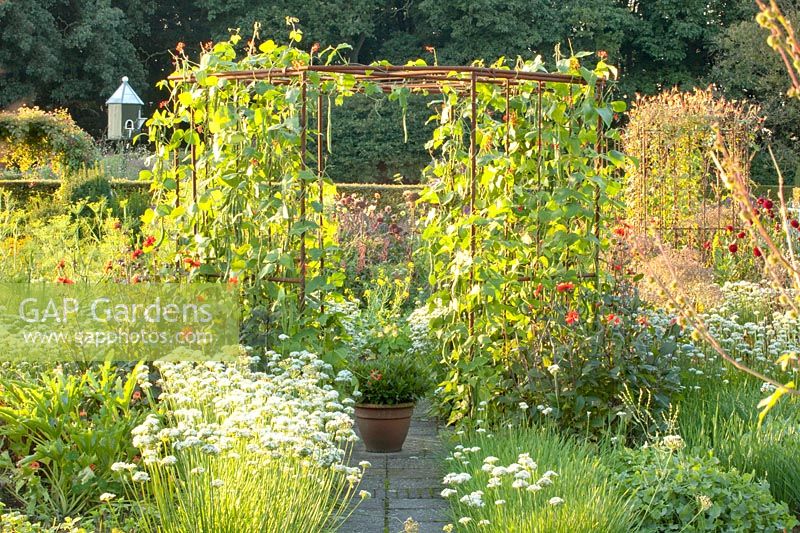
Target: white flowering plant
242 450
556 484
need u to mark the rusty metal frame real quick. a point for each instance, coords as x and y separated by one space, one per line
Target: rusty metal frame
664 220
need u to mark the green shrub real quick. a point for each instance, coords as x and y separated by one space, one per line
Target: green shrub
90 185
61 433
390 380
16 522
677 492
579 373
32 139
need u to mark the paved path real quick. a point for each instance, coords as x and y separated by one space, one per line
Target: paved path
403 485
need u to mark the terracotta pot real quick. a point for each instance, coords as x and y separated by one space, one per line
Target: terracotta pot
384 428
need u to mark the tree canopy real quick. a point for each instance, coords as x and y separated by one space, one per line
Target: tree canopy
72 53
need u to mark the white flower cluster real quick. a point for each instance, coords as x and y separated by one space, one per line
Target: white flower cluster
518 476
749 324
419 324
349 312
291 409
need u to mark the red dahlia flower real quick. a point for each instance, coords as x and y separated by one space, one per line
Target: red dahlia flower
572 317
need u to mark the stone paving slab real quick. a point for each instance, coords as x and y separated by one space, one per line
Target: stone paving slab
403 485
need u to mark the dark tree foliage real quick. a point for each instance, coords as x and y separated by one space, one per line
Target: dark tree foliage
745 67
71 53
66 53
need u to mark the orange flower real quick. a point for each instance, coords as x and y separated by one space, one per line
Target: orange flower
538 291
65 281
643 320
179 47
613 319
572 317
376 375
193 263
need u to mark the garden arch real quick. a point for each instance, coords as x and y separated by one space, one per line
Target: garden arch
238 180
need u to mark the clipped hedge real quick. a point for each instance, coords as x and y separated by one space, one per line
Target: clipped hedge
23 190
389 194
31 139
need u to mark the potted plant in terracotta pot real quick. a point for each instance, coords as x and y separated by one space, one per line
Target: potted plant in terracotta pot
389 387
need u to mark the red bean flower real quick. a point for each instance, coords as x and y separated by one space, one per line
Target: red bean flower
565 286
572 317
733 248
757 251
193 263
137 253
794 223
613 319
149 241
729 228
